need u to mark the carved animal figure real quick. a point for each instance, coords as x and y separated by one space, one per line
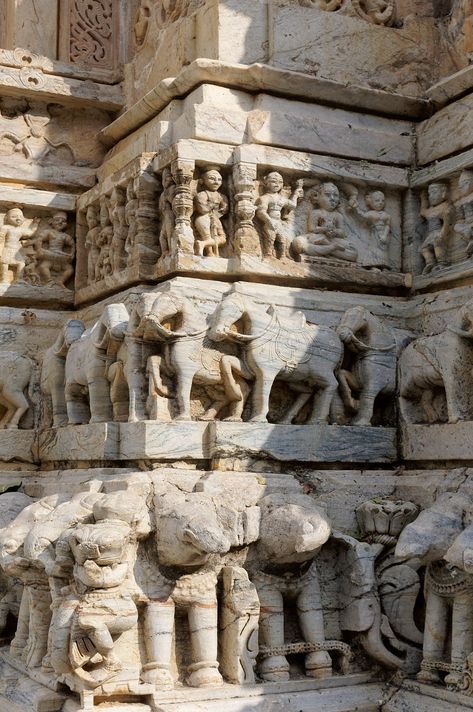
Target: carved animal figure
303 355
441 361
291 534
87 364
16 373
448 633
372 346
54 368
188 531
189 354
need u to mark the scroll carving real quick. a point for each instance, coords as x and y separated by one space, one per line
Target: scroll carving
91 26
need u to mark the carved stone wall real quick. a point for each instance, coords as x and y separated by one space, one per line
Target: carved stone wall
236 323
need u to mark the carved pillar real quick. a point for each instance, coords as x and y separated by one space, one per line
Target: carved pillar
246 240
146 239
183 205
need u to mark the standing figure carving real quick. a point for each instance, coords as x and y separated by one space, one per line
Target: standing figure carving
92 242
14 235
120 229
210 205
436 211
272 211
326 230
370 346
167 213
55 250
380 225
464 211
303 355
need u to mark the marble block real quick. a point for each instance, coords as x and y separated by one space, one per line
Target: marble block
306 443
449 441
18 445
163 441
425 698
97 441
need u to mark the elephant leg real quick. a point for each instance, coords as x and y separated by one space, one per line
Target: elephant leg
18 400
427 403
136 388
77 410
101 410
366 408
159 626
261 392
435 635
203 627
462 634
311 619
323 400
297 406
451 390
20 641
59 406
8 415
185 380
219 402
273 668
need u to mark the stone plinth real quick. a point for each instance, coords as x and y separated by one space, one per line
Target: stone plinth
164 441
438 442
97 441
334 694
18 445
306 443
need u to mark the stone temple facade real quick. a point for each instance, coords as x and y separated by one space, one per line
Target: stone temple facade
236 355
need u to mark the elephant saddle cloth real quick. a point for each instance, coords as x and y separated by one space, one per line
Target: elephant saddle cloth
291 340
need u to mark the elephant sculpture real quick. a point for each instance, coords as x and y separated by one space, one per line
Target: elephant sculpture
54 368
430 541
292 531
190 356
11 589
303 355
87 362
191 529
16 376
378 593
371 349
443 361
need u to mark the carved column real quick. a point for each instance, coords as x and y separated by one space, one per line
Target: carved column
183 205
246 239
146 187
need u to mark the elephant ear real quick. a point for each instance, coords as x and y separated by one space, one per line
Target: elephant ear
399 588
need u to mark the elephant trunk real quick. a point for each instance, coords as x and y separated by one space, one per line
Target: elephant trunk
374 646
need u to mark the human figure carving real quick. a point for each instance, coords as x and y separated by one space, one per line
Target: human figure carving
326 230
436 211
272 210
380 224
92 242
16 375
13 235
166 212
55 249
210 205
120 229
464 211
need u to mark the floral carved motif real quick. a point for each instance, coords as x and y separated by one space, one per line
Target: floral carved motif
91 25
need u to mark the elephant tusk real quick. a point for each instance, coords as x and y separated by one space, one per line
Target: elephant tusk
463 333
374 646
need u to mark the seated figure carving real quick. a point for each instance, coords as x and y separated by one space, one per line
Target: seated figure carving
326 231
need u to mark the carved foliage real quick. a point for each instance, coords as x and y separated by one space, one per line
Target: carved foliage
91 32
